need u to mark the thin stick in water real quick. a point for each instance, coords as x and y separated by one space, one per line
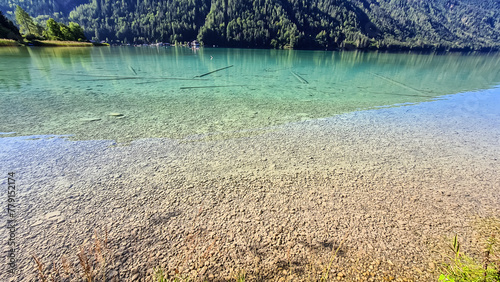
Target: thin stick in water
398 83
213 86
111 78
202 75
132 69
300 78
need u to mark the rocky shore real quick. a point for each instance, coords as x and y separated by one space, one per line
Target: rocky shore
382 188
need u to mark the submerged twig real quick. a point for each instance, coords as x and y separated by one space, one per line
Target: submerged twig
111 78
212 86
132 69
397 83
202 75
300 78
138 77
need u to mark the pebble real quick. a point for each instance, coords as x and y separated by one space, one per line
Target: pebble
219 198
37 223
52 214
112 274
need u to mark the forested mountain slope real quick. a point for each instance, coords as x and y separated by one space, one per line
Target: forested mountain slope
8 29
441 24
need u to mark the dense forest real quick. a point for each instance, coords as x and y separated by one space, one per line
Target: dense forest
301 24
8 29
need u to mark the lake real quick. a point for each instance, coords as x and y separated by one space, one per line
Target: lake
66 91
263 154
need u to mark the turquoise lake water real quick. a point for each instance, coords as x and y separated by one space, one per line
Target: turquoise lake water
161 92
306 140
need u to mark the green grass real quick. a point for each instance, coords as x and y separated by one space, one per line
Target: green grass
8 42
462 267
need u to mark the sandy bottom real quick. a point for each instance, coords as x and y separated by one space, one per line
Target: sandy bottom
385 185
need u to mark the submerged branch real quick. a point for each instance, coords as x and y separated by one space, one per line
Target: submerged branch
132 69
300 78
398 83
112 77
202 75
213 86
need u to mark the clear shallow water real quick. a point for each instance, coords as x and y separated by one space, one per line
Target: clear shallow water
159 91
376 128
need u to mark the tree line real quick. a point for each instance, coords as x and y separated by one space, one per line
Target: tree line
7 29
303 24
33 30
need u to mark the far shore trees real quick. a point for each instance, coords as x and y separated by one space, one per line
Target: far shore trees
53 31
7 29
26 24
300 24
60 31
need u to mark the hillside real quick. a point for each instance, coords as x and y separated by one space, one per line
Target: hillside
306 24
7 29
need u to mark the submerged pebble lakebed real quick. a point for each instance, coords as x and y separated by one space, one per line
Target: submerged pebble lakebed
271 160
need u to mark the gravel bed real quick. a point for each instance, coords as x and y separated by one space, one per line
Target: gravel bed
381 187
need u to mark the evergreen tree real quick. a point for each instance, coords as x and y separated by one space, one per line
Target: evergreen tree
25 22
384 24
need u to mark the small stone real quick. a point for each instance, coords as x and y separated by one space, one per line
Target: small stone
203 270
256 260
134 277
37 223
112 274
432 266
52 214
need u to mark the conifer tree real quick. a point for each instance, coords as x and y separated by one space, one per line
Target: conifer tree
25 22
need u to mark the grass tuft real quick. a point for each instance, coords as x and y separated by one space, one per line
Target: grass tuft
462 267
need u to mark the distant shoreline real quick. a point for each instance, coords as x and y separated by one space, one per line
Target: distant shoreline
49 43
399 49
